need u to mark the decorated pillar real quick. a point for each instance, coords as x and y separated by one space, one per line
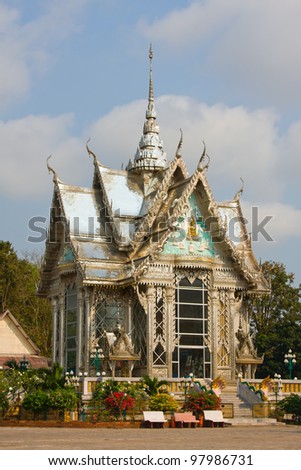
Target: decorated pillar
79 348
54 312
87 330
150 296
170 330
232 318
214 342
62 329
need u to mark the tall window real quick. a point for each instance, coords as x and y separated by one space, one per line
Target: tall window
191 355
70 327
106 316
139 333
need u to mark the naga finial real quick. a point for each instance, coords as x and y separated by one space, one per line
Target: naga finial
204 154
51 170
96 162
179 148
240 191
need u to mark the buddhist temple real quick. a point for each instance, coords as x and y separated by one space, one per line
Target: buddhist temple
145 263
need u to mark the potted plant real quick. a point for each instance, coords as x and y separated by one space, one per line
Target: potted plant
199 401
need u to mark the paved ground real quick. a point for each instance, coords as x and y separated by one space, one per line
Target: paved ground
247 438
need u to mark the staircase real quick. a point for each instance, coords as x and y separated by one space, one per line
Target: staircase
242 411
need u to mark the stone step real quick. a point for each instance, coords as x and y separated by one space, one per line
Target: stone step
243 421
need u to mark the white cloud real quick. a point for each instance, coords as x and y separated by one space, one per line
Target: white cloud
241 143
279 220
25 49
24 146
249 45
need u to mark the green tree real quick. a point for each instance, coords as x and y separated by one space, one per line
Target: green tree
8 273
19 278
277 321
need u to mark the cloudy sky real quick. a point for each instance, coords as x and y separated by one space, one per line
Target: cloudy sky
226 72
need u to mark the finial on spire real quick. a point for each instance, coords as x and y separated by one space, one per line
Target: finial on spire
150 155
150 113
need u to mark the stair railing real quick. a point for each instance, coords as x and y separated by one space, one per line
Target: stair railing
248 393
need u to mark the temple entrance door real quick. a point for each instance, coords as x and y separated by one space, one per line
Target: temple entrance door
191 355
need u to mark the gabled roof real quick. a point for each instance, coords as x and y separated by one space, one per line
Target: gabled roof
127 217
13 338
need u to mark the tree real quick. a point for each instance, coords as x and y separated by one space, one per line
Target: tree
277 321
19 278
8 273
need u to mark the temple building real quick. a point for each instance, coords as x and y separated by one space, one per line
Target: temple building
147 270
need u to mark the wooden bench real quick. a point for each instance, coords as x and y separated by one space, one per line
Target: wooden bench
154 418
213 418
185 418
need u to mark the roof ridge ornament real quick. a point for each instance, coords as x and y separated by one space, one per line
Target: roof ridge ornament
51 170
95 159
204 154
179 148
240 191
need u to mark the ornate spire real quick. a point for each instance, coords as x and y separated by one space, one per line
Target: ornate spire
150 155
150 112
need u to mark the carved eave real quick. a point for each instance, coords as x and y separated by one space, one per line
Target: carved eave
56 235
198 182
145 226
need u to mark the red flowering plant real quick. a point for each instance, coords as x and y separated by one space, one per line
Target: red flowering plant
199 401
118 403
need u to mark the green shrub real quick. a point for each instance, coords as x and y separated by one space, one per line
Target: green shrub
63 399
152 385
162 402
199 401
291 405
36 401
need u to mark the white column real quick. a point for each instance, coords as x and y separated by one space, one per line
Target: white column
150 295
62 329
169 327
54 311
232 308
87 330
214 330
80 307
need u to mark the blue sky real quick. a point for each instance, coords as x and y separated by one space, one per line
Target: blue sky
226 72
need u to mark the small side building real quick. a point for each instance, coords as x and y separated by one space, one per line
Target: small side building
15 344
